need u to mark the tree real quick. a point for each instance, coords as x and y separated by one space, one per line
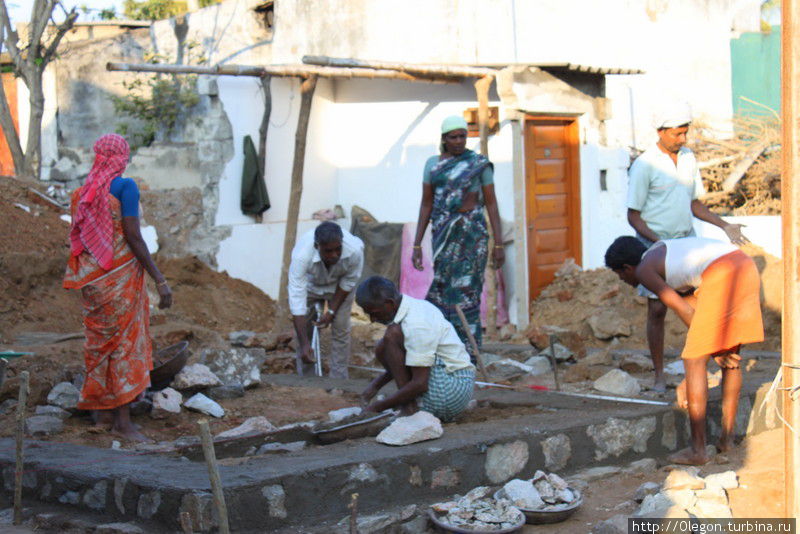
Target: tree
30 58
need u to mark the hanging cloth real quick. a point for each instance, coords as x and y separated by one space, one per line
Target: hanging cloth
255 199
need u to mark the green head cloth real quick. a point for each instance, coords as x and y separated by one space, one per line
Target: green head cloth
453 122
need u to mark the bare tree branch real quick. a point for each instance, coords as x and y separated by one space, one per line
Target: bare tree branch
11 38
61 31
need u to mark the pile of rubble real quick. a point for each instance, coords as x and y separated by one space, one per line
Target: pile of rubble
544 492
477 511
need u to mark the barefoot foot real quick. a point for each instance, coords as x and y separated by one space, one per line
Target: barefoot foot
131 434
660 384
689 456
103 418
725 444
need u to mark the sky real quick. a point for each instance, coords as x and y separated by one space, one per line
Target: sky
20 10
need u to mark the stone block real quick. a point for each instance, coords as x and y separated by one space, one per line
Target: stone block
669 432
557 452
52 411
683 479
709 509
236 365
201 403
95 498
64 395
617 382
636 363
7 406
523 494
539 365
195 377
648 488
445 477
276 498
607 323
415 477
659 505
251 425
594 474
727 480
598 357
148 504
508 369
505 460
240 337
165 403
683 498
200 507
45 425
675 368
421 426
617 436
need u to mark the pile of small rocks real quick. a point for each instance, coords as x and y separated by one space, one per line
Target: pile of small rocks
476 511
545 491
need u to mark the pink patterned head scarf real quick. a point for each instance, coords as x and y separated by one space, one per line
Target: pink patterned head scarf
92 226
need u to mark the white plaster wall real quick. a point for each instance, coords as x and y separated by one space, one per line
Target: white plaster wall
766 231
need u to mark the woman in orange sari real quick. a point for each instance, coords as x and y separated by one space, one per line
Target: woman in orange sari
107 263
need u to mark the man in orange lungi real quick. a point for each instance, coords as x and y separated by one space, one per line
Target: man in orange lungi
723 314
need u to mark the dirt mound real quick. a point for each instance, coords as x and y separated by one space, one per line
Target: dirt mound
577 296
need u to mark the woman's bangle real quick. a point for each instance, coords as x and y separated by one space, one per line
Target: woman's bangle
416 246
499 246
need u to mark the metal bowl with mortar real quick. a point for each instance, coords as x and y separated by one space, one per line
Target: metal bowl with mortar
545 517
441 526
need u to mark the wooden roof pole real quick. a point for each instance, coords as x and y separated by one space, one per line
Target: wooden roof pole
302 71
482 86
410 68
790 193
295 194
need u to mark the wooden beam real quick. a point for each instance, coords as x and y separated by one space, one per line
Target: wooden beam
482 86
306 96
740 169
460 71
790 195
301 71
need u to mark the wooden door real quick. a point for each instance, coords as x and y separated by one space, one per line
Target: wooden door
552 189
10 88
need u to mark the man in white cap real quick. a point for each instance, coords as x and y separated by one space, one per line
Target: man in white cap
664 189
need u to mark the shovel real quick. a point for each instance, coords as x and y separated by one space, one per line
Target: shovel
315 344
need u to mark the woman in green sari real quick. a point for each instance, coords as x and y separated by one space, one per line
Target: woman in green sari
455 187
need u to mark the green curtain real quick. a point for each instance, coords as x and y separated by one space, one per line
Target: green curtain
255 199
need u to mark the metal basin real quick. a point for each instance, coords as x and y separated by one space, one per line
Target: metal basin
544 517
446 527
172 359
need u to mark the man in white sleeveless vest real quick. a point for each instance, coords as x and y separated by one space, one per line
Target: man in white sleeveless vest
722 314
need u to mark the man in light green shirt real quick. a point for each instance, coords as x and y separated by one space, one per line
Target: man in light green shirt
664 190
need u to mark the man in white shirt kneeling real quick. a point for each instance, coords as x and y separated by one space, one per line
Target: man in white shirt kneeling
420 351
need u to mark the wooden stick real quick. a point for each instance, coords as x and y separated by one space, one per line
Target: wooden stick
297 71
213 474
553 360
3 364
741 168
410 68
296 193
482 90
353 513
263 129
472 342
20 432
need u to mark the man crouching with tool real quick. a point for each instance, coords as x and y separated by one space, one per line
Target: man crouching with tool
326 265
420 351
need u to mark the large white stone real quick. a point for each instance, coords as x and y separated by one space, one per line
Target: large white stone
678 479
505 460
539 365
708 509
617 382
421 426
616 436
195 376
165 402
236 365
648 488
252 425
726 480
64 395
201 403
522 494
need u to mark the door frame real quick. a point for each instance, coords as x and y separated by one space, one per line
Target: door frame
574 172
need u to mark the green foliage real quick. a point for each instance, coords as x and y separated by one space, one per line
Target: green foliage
153 9
110 13
156 102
